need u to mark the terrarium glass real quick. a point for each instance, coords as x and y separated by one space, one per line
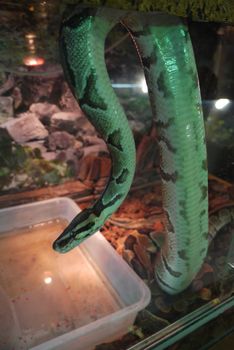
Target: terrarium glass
49 149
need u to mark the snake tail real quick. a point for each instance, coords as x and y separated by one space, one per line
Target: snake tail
166 54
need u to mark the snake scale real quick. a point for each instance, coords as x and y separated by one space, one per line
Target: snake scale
165 50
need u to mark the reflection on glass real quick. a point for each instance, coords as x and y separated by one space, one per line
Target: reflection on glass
222 103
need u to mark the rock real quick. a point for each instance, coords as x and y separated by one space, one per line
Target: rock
60 140
180 305
95 149
146 243
39 89
93 140
138 268
100 184
17 97
129 242
158 237
205 294
87 127
49 156
6 108
67 121
89 168
69 156
162 305
25 128
197 285
44 109
150 323
143 257
67 100
147 154
65 116
78 145
105 167
206 268
6 84
36 145
128 255
137 126
5 139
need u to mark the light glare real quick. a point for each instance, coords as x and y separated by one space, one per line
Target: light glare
144 87
222 103
48 280
33 61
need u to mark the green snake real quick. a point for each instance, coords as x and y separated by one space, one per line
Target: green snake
164 47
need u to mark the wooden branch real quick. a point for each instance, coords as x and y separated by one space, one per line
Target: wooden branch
78 191
74 189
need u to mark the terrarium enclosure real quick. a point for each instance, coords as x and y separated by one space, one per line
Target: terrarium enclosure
49 149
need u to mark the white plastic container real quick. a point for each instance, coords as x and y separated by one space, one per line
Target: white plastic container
70 301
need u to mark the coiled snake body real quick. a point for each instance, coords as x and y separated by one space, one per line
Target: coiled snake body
164 46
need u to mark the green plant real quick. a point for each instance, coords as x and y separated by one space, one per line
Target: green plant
22 166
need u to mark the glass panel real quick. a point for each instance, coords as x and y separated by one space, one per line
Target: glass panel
49 149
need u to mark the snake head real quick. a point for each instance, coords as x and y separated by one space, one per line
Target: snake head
80 228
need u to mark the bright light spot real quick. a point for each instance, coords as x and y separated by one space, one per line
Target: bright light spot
33 61
144 87
30 36
48 280
222 103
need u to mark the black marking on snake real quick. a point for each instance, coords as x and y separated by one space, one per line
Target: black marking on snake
204 192
162 87
182 203
167 143
105 219
164 125
202 251
182 254
64 241
183 213
205 235
203 212
99 206
83 229
170 227
114 139
169 269
82 216
66 66
162 282
204 164
123 176
91 96
194 79
168 177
